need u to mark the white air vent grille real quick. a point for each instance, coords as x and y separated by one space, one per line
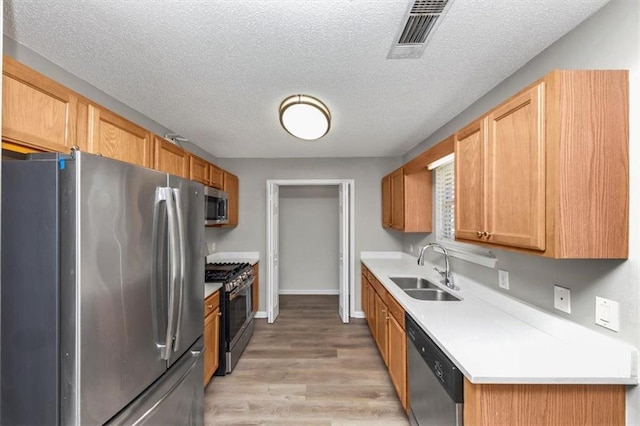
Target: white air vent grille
428 6
422 18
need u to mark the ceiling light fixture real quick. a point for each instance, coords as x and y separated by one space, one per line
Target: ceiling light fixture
305 117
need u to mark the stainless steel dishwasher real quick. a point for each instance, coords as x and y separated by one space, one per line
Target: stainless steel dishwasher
435 383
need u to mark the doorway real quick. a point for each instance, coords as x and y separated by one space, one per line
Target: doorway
346 253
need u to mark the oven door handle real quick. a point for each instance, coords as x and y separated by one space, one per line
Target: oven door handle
234 293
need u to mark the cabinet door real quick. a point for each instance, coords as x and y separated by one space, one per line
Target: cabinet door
170 158
371 309
515 180
382 328
386 201
112 136
232 187
216 177
364 298
36 111
397 200
469 181
198 170
211 332
398 359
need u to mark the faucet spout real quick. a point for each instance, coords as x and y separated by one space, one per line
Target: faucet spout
448 278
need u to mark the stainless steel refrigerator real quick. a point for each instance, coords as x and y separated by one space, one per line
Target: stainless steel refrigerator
102 293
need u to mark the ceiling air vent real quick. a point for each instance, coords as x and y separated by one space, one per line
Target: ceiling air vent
422 18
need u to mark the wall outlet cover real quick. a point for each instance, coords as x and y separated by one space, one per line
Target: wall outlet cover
608 313
562 298
503 279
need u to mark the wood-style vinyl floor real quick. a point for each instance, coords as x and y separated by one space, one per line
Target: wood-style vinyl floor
308 368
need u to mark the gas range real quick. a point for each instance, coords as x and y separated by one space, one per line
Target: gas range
236 326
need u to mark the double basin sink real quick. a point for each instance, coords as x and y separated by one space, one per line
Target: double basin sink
422 289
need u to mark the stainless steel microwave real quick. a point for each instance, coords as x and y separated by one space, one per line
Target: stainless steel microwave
216 206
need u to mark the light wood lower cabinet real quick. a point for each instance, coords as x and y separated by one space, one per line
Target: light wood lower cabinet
533 405
385 317
170 158
211 335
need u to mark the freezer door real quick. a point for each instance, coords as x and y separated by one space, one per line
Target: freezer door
176 399
188 323
120 296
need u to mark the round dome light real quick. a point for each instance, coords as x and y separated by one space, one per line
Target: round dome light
305 117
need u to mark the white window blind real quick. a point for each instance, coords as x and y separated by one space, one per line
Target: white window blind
445 202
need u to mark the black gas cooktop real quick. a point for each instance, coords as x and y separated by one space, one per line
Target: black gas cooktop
223 272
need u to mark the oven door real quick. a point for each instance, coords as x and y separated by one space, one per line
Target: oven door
239 312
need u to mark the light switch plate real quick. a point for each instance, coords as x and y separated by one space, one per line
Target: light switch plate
503 279
562 298
608 313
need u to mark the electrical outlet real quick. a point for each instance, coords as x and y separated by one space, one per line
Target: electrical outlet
562 298
503 279
608 313
212 247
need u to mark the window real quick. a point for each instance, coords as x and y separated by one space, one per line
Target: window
444 202
444 206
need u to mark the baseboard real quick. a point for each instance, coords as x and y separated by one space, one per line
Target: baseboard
260 314
308 292
358 314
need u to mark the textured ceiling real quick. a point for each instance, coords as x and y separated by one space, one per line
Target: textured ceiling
216 71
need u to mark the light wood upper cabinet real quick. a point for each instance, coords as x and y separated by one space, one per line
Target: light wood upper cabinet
386 201
549 173
112 136
397 200
232 187
470 151
170 158
500 175
198 169
37 112
216 177
515 203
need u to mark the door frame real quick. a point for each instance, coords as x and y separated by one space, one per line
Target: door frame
349 234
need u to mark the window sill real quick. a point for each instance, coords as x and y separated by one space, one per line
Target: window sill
470 253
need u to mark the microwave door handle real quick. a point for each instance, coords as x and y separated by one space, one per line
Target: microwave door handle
173 275
181 255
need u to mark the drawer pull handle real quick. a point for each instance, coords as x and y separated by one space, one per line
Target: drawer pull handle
210 306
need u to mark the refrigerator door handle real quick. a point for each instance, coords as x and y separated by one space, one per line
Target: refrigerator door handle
181 253
156 280
174 260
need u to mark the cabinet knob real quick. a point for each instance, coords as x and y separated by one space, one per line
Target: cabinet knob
486 234
479 233
210 306
219 314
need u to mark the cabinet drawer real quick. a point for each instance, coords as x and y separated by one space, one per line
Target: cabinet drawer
396 310
211 303
379 288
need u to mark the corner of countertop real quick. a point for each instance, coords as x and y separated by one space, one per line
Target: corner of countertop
251 257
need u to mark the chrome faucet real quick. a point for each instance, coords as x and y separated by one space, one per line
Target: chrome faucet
446 274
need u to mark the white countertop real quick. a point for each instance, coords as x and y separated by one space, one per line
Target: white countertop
493 338
210 288
251 257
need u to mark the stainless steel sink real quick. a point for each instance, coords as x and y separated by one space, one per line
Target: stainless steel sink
413 283
431 294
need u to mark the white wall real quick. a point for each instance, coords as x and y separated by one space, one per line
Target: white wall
251 234
309 239
610 39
